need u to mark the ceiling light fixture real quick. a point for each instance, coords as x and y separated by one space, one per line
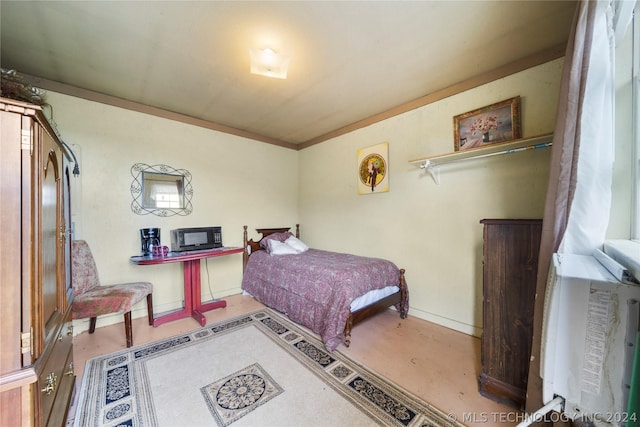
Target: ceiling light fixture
266 62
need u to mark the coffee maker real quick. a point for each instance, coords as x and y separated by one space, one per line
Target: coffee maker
149 239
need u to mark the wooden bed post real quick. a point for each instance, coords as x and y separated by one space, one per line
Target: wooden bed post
245 254
404 296
297 231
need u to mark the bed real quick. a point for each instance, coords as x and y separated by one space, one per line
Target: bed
327 292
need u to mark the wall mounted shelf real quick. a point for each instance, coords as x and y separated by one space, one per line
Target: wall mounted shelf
432 164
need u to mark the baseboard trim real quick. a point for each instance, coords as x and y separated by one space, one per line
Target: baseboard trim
447 323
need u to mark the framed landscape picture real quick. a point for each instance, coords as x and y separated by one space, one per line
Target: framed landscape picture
497 122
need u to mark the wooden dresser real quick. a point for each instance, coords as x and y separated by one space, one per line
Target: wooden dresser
36 361
510 266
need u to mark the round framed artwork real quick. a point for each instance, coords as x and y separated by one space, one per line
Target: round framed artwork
373 169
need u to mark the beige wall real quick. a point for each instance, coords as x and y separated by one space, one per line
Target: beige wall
432 231
236 181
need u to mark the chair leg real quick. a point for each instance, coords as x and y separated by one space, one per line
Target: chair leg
127 328
150 309
92 324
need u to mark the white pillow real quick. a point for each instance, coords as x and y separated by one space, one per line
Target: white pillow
279 248
296 244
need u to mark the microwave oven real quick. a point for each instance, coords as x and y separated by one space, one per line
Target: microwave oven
195 239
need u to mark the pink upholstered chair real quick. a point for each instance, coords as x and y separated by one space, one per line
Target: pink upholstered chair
93 300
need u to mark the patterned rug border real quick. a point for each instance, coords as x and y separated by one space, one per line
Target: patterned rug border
384 401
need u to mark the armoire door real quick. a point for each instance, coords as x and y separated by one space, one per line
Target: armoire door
51 246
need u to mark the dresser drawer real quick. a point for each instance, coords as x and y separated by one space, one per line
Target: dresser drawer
56 379
58 414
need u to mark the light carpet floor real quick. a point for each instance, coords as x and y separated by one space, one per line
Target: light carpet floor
257 369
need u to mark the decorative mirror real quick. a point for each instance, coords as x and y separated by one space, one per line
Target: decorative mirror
160 190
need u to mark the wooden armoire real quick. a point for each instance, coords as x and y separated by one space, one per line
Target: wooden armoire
36 358
510 268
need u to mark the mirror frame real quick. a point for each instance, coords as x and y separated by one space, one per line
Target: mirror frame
137 205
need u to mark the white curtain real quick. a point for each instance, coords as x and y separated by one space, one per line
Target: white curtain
589 212
578 197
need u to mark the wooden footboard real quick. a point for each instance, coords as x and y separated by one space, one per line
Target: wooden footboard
401 297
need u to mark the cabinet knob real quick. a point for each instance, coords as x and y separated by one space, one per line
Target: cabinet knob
52 382
70 372
48 389
69 333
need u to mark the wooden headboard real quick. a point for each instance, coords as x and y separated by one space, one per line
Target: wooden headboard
251 246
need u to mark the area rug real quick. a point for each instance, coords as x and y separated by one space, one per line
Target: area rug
258 369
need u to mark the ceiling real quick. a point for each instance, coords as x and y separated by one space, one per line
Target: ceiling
350 60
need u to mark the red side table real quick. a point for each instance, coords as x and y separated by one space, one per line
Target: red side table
193 306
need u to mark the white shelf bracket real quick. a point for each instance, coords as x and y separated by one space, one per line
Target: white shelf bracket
434 170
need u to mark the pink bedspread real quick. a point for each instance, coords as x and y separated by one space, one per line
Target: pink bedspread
315 288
